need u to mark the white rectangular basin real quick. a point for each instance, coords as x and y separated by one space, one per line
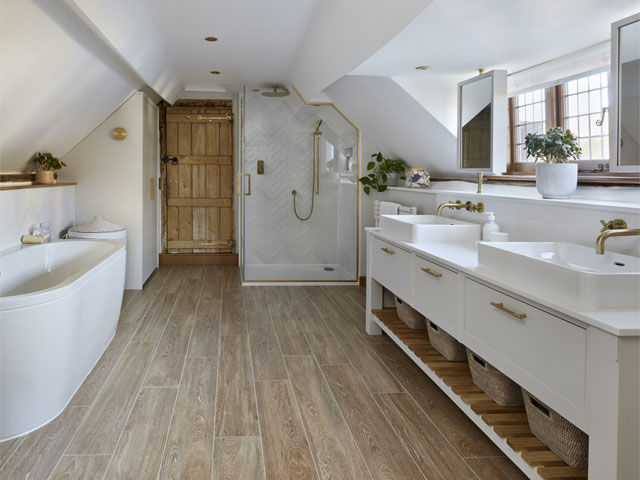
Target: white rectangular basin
428 228
567 272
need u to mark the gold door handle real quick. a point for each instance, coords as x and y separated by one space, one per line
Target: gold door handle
431 272
500 306
386 250
240 193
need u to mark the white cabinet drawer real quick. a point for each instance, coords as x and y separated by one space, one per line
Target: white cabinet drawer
545 346
391 266
436 292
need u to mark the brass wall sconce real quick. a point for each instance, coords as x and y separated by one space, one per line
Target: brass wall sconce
119 133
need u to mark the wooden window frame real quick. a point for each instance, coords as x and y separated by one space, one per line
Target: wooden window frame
555 113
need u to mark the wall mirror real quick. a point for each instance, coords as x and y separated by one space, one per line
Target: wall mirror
482 123
624 100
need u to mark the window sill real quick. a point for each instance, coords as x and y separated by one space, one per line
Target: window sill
583 179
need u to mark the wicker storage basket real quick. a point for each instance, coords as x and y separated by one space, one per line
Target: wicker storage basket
563 438
448 346
410 316
494 383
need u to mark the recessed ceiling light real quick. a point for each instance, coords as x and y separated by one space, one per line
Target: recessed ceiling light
423 67
214 72
211 39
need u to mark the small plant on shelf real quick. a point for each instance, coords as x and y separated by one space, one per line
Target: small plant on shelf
46 164
382 172
555 146
555 176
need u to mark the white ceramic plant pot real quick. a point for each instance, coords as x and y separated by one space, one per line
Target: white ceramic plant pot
392 179
556 180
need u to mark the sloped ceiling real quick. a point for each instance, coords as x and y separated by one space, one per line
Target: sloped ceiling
68 64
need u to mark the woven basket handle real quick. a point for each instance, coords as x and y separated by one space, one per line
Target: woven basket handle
479 361
540 407
434 326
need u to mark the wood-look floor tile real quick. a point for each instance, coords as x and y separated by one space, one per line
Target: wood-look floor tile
461 432
188 297
139 304
354 312
286 451
212 283
8 447
126 297
373 371
238 458
154 322
495 468
100 431
89 389
383 452
206 330
168 361
318 335
80 467
233 321
236 413
139 451
266 356
290 335
325 307
188 452
231 277
435 457
259 322
332 445
256 298
40 451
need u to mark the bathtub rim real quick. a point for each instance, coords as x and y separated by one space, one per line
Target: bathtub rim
65 287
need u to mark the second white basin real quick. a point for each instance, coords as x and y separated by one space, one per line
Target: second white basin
568 272
428 228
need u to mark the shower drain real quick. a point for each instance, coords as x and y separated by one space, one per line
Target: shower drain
329 269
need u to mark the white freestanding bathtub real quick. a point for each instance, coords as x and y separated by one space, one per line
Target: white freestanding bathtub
59 309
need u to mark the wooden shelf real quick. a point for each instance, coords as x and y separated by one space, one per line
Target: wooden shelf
37 185
506 426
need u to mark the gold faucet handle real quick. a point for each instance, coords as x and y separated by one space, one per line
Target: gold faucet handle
615 224
480 207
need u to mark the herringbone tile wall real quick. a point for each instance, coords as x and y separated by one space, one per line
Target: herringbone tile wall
19 209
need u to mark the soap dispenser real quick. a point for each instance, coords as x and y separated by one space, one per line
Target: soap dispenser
489 227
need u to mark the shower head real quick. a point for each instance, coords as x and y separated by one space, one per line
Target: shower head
277 92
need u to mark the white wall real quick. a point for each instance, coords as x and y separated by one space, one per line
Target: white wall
401 125
110 179
58 83
19 209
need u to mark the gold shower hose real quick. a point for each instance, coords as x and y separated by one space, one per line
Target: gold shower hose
315 181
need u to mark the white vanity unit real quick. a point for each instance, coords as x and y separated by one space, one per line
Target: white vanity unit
559 321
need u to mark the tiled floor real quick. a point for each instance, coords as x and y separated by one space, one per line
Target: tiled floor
207 379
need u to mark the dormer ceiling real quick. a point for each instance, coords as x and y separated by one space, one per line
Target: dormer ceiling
456 37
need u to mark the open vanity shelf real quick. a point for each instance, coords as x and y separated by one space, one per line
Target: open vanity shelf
507 427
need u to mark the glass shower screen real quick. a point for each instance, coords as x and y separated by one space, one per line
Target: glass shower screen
300 221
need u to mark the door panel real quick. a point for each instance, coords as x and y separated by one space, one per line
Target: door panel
199 193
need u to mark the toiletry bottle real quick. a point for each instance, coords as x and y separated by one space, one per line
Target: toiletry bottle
490 226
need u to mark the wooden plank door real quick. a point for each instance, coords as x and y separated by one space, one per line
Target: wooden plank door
199 188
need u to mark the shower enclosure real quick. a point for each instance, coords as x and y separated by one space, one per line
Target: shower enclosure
298 190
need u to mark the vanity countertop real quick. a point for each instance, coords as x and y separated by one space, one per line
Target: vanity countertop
464 257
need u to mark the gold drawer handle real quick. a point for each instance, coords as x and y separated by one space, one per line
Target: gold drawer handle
500 306
386 250
430 272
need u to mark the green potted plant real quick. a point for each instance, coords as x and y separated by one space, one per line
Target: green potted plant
555 177
383 173
46 165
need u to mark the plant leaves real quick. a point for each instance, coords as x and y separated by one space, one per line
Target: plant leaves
371 165
382 188
367 190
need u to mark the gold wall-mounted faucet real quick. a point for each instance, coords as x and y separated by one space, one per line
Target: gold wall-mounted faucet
613 228
458 205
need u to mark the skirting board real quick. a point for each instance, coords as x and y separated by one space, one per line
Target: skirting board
363 281
198 259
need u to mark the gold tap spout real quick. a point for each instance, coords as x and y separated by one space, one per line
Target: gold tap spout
613 228
468 206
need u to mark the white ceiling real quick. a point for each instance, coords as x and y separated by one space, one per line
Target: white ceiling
258 40
458 36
